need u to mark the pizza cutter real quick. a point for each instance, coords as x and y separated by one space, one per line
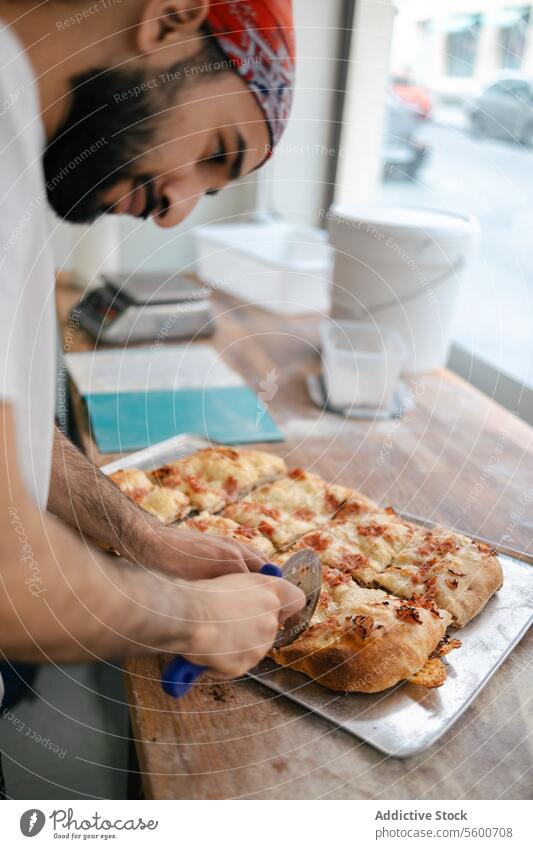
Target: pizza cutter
303 570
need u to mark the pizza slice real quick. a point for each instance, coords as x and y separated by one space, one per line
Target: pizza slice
361 549
289 508
376 536
165 504
363 640
207 524
213 477
459 574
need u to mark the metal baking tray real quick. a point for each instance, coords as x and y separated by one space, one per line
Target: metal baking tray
159 454
406 719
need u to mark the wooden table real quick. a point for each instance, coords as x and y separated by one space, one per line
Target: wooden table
456 457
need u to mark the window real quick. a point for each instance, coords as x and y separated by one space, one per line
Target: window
447 145
462 45
513 36
485 170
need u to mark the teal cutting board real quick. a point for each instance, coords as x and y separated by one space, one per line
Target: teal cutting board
129 421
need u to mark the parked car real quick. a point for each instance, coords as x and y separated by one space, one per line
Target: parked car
413 94
403 154
504 109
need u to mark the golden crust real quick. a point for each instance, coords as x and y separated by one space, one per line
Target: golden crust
445 646
365 641
432 674
459 574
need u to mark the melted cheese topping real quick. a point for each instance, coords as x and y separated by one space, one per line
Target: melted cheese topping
213 477
361 549
288 509
207 524
166 504
133 482
442 565
343 601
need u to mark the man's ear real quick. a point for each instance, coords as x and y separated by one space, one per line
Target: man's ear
164 23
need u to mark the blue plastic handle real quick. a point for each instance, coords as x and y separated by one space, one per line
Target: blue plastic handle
180 674
273 571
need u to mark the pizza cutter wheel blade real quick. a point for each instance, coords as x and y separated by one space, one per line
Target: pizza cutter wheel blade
304 570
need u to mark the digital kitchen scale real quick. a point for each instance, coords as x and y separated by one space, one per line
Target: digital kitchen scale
144 308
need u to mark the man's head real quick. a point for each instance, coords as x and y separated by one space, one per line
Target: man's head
196 94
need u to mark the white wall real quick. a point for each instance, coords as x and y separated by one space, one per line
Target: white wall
298 174
366 90
303 160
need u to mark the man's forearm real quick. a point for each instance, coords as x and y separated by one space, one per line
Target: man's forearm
84 604
82 496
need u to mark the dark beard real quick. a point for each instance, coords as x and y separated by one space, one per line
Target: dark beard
99 144
104 136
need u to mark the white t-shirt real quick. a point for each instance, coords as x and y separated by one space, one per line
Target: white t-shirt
27 308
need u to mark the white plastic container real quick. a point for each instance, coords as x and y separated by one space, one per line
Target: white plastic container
401 266
278 266
361 363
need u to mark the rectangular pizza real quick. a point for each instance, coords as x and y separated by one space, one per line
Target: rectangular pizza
391 588
287 509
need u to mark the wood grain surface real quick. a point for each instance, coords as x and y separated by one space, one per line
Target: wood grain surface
455 457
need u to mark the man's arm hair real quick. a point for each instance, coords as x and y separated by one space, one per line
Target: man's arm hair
87 500
62 599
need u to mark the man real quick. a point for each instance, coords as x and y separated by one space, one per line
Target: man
137 107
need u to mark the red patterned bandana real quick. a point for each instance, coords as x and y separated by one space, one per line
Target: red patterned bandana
257 36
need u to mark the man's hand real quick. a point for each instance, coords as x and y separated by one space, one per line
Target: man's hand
238 617
194 556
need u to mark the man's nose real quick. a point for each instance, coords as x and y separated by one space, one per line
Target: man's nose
180 198
181 194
